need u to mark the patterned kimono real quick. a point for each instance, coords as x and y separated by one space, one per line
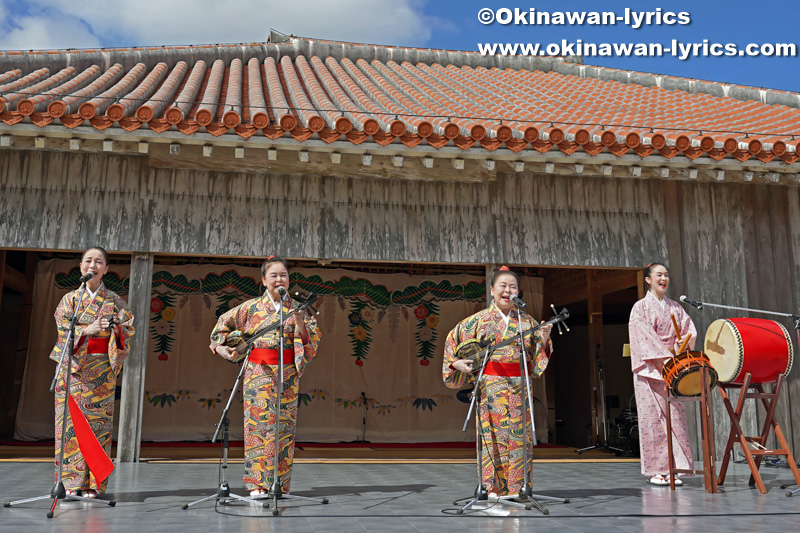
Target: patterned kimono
260 387
499 421
652 334
94 378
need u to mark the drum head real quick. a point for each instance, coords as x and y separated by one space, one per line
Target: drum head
723 346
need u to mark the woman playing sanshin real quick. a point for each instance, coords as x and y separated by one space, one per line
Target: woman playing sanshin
103 329
301 338
501 391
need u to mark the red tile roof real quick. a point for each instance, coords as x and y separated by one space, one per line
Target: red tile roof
343 92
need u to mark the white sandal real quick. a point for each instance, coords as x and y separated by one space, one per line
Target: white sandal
659 480
259 494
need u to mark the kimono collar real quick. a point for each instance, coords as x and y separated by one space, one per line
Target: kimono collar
506 317
92 295
271 301
663 303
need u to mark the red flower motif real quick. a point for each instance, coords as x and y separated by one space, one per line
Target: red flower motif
421 312
163 357
424 362
359 362
156 305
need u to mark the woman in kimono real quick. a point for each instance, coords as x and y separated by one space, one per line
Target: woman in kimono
102 332
501 391
301 338
653 340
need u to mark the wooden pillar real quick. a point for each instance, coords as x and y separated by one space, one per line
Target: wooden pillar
131 404
489 271
2 274
595 304
23 337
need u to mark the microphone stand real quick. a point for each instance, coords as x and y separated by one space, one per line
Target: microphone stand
601 379
480 494
275 490
224 494
58 491
526 494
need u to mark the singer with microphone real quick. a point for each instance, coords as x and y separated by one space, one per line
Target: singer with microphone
103 329
653 341
301 339
499 421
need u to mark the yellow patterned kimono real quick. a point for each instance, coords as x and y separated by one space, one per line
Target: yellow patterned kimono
94 378
260 387
499 422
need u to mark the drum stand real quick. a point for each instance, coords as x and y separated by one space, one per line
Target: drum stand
770 402
601 380
754 456
58 491
707 431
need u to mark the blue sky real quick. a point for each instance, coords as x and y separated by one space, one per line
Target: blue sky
38 24
733 21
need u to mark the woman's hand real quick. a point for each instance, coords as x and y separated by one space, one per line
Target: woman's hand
226 352
545 333
300 326
463 365
96 327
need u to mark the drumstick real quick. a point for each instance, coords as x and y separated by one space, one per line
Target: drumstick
685 342
677 329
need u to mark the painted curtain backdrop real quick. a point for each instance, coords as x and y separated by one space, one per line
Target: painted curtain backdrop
382 335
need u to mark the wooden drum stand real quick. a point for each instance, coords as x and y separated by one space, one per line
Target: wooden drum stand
756 453
707 430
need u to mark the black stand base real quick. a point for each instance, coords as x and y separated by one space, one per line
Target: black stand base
275 494
225 496
59 493
524 500
598 446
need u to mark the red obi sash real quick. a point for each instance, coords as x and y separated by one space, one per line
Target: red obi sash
509 370
269 356
97 344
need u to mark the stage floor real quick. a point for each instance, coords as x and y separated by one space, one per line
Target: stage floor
402 496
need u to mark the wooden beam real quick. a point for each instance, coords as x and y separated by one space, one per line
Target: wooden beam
605 282
133 373
13 278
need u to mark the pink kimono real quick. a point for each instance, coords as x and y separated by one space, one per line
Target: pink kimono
652 334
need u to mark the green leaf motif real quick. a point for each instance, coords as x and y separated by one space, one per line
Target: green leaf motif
425 403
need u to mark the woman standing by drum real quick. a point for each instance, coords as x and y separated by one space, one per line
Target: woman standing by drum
301 338
102 331
499 422
653 341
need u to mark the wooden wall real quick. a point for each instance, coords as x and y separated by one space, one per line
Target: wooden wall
731 243
60 200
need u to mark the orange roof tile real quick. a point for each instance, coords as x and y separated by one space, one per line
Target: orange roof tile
346 92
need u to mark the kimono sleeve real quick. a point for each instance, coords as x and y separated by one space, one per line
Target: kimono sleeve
454 379
119 347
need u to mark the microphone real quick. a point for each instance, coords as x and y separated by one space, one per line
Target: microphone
516 300
86 277
282 291
686 300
